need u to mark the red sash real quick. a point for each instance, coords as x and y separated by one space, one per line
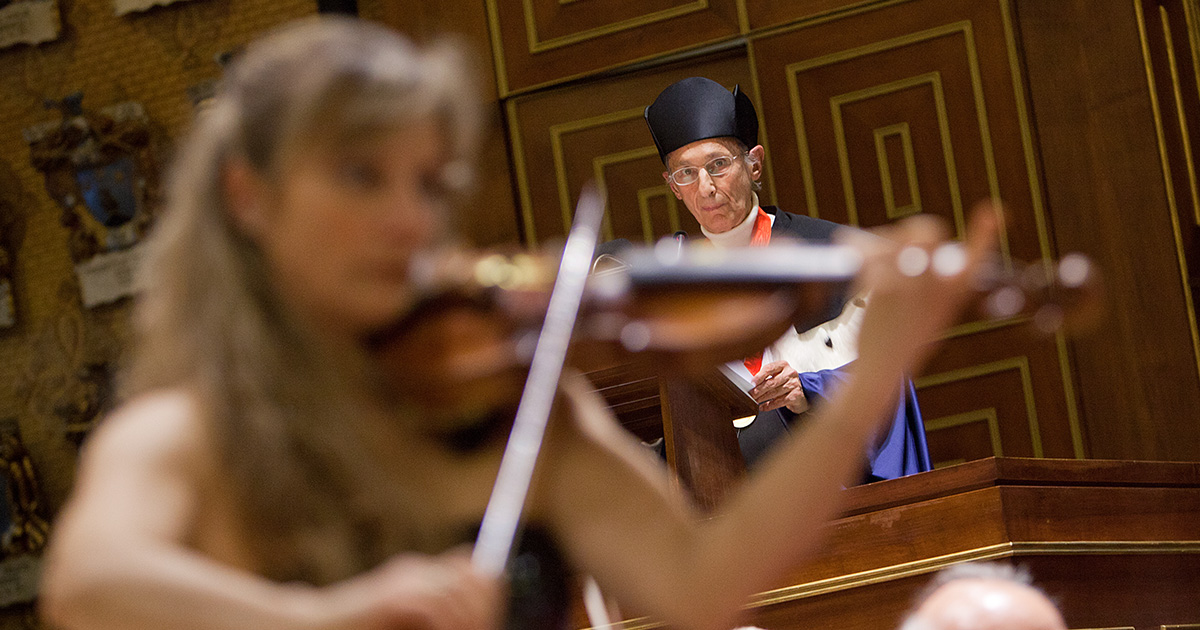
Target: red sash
759 238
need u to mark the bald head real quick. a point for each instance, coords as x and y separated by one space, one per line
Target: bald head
996 598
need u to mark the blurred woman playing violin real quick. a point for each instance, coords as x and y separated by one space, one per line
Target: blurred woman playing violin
261 473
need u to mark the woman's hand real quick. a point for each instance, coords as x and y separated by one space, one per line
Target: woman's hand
917 287
419 592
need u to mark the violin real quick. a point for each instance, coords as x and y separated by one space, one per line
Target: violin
502 325
673 305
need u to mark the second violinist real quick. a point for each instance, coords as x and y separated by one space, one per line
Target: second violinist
256 475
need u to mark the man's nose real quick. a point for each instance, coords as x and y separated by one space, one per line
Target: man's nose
706 184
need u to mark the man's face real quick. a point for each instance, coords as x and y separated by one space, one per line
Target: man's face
721 202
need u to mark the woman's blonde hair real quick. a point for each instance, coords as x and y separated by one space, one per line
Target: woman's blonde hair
209 322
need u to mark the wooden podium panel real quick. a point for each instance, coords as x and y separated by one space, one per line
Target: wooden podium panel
693 415
1116 543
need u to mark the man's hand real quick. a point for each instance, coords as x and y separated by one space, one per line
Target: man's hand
778 385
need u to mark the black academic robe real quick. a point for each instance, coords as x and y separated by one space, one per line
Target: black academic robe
902 451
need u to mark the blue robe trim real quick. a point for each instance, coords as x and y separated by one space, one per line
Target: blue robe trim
903 450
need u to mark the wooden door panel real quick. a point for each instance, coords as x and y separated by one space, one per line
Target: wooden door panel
917 107
595 132
769 13
541 42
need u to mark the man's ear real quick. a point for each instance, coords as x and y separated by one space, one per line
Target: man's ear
756 165
246 197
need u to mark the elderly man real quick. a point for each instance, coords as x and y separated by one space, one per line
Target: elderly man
983 596
708 139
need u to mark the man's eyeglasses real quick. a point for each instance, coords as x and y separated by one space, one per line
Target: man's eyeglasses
716 167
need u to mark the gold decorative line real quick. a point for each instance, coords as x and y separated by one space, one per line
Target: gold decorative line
989 552
743 17
763 135
717 43
985 133
885 171
560 163
514 130
987 415
602 162
937 563
644 197
1064 369
939 98
1180 626
985 325
948 463
1020 364
1164 164
493 17
1188 161
1190 9
1039 214
537 45
806 169
827 16
831 15
963 27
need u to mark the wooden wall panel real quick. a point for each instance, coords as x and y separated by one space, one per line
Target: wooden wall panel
762 14
1106 151
596 132
915 107
1084 117
539 42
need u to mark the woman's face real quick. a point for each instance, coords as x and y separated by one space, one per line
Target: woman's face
344 223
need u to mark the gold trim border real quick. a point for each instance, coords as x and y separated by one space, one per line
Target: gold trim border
602 162
885 171
1020 364
1168 182
987 415
965 28
644 196
1185 137
522 175
538 45
931 565
934 80
1039 215
506 91
560 166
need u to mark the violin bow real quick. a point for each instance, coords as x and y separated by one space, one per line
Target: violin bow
502 516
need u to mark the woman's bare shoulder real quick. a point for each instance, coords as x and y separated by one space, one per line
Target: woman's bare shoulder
159 424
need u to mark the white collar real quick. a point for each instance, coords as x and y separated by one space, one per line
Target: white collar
741 233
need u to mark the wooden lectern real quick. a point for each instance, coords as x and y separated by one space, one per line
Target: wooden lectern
694 416
1115 543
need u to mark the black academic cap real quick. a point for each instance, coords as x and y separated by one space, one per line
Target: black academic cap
697 108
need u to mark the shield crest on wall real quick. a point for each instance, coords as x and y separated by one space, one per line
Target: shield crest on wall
108 191
100 167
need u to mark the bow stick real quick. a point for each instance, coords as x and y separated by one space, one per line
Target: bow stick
501 517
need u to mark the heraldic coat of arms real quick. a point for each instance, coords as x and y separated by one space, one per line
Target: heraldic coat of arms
99 166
